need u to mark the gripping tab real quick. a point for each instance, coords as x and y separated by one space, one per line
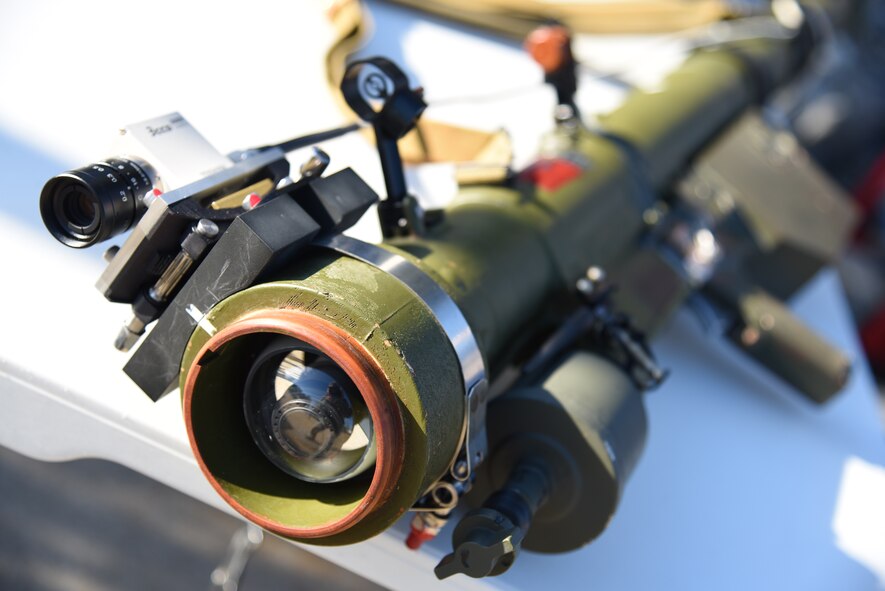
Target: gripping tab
378 92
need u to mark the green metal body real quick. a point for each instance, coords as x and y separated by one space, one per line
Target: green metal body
509 256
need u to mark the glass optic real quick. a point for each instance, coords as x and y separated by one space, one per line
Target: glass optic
308 418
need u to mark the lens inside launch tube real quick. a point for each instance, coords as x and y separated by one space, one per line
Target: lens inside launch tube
306 415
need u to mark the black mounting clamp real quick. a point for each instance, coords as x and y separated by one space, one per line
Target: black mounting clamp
608 331
378 92
615 335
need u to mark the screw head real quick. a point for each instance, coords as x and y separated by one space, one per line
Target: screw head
316 164
207 228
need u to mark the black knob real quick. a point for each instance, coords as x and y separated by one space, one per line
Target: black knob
487 541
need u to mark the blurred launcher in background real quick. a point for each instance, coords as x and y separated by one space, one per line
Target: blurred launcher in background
837 113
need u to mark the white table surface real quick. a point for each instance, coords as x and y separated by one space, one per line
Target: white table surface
741 482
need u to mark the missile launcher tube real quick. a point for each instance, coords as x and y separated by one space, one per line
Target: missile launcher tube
505 254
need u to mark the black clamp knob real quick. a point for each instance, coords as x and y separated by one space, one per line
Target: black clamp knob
487 540
378 92
486 544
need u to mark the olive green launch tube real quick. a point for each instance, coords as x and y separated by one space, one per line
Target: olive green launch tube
508 256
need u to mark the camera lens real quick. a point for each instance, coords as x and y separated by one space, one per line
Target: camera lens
79 208
96 202
306 415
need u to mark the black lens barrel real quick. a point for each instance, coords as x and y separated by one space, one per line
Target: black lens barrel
96 202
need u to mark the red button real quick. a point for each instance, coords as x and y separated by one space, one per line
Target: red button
551 174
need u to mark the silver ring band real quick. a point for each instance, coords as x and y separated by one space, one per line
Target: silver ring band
434 297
